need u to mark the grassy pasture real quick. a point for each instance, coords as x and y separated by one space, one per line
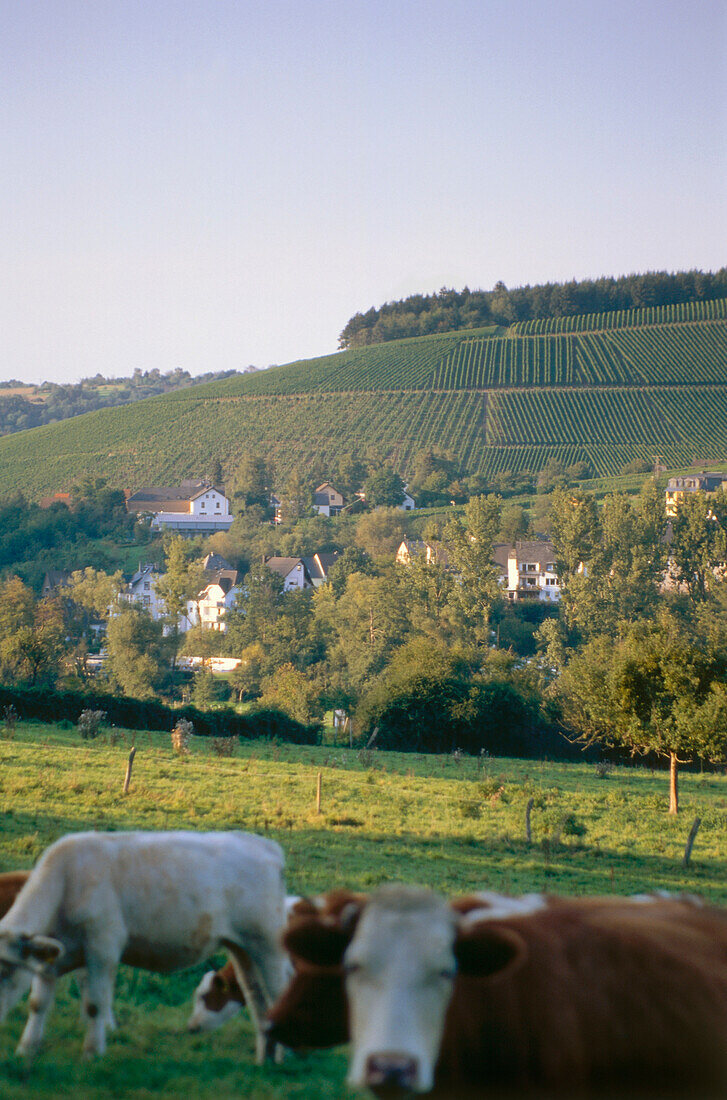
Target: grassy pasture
456 825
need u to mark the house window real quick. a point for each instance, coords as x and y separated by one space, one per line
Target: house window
147 586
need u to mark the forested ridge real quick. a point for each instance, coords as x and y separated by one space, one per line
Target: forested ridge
449 310
26 406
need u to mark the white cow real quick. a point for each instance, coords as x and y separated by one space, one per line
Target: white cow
159 901
218 997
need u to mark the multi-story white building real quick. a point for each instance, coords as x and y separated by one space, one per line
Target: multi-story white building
531 573
194 507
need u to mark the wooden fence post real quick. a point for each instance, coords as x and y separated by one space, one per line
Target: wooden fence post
129 766
318 792
690 841
528 811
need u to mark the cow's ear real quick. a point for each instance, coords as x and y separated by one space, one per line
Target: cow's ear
319 941
41 950
483 952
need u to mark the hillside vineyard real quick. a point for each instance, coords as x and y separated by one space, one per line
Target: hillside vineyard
606 389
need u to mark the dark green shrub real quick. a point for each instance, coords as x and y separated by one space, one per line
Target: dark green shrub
148 714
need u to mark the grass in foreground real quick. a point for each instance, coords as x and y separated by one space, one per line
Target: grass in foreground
455 825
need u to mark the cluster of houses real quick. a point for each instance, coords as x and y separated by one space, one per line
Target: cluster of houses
197 507
527 572
527 568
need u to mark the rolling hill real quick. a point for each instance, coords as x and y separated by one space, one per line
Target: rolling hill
604 388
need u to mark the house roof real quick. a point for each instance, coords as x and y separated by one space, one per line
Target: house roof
55 498
324 492
501 552
536 550
56 578
704 481
143 571
214 562
225 578
173 498
319 565
412 546
284 566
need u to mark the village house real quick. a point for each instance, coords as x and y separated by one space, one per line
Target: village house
417 548
55 498
141 590
531 573
327 501
217 597
293 572
678 487
53 581
319 566
194 507
301 573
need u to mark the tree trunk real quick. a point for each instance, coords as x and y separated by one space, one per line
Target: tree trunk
673 784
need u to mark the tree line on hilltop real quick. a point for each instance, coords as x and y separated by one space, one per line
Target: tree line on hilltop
448 310
51 401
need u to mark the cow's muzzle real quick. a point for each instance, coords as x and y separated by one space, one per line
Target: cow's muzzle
391 1073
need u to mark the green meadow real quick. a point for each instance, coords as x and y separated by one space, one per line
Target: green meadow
456 824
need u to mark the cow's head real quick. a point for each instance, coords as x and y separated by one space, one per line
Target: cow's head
22 956
216 1000
396 957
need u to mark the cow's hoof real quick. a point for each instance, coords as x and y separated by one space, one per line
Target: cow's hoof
27 1051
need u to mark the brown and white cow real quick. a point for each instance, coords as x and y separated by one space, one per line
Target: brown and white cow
218 997
561 996
159 901
11 883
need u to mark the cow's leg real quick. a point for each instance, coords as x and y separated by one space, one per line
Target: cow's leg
257 998
42 991
81 980
98 995
275 971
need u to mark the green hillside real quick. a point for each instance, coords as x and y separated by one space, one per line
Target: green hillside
646 381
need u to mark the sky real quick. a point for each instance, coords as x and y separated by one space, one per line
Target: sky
214 184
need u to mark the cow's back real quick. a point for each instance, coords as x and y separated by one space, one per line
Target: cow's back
184 892
622 996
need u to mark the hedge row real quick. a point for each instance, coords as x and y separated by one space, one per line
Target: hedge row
145 714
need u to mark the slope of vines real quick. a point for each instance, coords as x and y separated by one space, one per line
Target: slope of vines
626 318
514 400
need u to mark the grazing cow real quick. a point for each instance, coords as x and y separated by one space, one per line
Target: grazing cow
11 883
560 996
218 997
159 901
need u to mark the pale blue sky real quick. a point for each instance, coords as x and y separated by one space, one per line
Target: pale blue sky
211 184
